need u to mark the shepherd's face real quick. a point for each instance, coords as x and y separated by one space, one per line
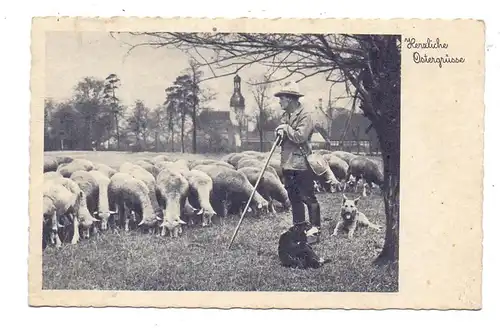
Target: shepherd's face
285 102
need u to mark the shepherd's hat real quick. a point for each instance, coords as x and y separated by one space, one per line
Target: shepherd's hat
289 88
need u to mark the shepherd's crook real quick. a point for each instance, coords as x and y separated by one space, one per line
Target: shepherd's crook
276 143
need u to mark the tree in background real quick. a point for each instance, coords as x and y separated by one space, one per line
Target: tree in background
368 64
260 92
111 84
186 99
138 123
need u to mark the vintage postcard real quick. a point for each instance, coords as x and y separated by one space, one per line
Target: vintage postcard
253 163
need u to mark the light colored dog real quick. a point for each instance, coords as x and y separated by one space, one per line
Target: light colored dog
350 218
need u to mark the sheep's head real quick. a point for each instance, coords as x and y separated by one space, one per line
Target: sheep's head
207 215
104 217
150 221
171 223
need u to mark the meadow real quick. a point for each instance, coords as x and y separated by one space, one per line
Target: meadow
200 259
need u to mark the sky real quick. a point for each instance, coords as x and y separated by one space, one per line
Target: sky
145 72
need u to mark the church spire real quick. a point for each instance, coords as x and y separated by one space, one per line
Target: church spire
237 100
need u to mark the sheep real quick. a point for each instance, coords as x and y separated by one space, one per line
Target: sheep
322 151
66 169
252 153
236 157
269 187
59 201
160 158
338 166
50 164
140 173
361 167
83 218
105 169
209 162
147 160
128 193
172 190
51 175
148 167
230 187
201 186
180 167
246 162
90 188
103 211
226 157
64 159
344 155
324 176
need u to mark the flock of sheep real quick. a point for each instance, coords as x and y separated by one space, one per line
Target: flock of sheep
162 194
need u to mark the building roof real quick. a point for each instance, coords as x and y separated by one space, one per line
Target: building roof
359 123
213 115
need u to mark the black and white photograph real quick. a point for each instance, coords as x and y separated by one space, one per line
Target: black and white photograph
178 161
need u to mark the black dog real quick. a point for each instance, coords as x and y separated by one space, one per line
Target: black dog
294 251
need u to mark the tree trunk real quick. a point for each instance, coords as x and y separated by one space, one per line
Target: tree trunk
390 146
261 135
183 119
194 129
172 139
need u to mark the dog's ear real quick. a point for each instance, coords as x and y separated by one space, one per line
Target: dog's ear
356 201
344 198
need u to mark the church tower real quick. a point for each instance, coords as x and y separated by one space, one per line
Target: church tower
237 114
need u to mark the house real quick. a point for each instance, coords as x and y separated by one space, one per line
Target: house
356 136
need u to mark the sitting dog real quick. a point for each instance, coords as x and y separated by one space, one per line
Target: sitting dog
350 218
294 251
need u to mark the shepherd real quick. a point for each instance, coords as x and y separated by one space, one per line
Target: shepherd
298 166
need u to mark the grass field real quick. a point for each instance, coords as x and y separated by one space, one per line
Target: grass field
200 261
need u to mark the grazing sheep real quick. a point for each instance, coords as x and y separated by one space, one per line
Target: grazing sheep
50 164
66 169
127 193
90 188
323 173
140 173
236 157
51 175
151 168
344 155
189 212
106 170
103 212
252 153
226 158
177 166
63 159
83 218
363 168
210 162
58 201
270 187
160 158
322 151
338 166
201 186
147 160
172 190
245 162
230 189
